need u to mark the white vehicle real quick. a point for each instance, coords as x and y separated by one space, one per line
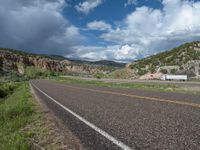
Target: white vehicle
174 77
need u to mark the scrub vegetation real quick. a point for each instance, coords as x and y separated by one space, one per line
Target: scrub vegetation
178 56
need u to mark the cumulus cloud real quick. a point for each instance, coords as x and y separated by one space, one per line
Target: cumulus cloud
88 5
37 26
98 25
119 53
148 31
131 2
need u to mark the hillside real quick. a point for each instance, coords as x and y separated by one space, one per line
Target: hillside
184 59
19 61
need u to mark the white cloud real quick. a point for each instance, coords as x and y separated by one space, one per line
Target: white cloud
148 31
131 2
120 53
88 5
98 25
37 26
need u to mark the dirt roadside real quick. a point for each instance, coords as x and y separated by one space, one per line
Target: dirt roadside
48 131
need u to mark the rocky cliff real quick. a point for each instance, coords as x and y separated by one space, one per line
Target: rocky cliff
18 61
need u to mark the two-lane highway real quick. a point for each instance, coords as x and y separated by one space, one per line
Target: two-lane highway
109 118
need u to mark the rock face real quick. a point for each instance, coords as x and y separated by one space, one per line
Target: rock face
184 59
18 62
193 65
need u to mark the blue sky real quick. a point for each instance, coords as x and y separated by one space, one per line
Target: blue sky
110 11
119 30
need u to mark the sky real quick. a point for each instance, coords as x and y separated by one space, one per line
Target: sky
118 30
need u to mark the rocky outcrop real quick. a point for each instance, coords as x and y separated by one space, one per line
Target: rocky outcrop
18 62
195 46
193 65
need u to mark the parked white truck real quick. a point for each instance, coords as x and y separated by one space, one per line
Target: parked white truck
174 77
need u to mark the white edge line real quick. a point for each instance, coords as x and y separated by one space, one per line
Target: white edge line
105 134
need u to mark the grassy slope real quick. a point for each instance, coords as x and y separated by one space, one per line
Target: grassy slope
15 113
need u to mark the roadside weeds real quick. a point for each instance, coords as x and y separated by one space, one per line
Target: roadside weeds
27 124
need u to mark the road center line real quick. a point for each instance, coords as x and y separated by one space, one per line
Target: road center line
103 133
137 96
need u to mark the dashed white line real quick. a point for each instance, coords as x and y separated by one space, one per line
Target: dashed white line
103 133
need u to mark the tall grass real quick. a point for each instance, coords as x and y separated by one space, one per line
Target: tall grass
15 113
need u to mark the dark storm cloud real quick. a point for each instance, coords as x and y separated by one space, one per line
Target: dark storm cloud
36 25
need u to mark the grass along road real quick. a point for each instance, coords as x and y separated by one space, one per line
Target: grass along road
15 113
131 85
25 124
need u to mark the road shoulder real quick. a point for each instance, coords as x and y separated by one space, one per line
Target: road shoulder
49 131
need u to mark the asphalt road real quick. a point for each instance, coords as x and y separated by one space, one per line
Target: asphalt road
107 118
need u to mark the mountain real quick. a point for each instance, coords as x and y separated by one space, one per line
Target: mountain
184 59
18 61
107 63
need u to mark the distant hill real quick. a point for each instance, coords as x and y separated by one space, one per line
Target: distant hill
107 63
184 59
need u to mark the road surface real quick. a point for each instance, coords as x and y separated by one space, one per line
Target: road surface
108 118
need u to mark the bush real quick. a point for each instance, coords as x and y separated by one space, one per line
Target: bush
152 69
173 71
3 93
142 72
164 71
99 75
7 88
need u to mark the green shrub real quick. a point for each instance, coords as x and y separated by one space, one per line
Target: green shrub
142 72
7 88
3 93
173 71
152 69
164 71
